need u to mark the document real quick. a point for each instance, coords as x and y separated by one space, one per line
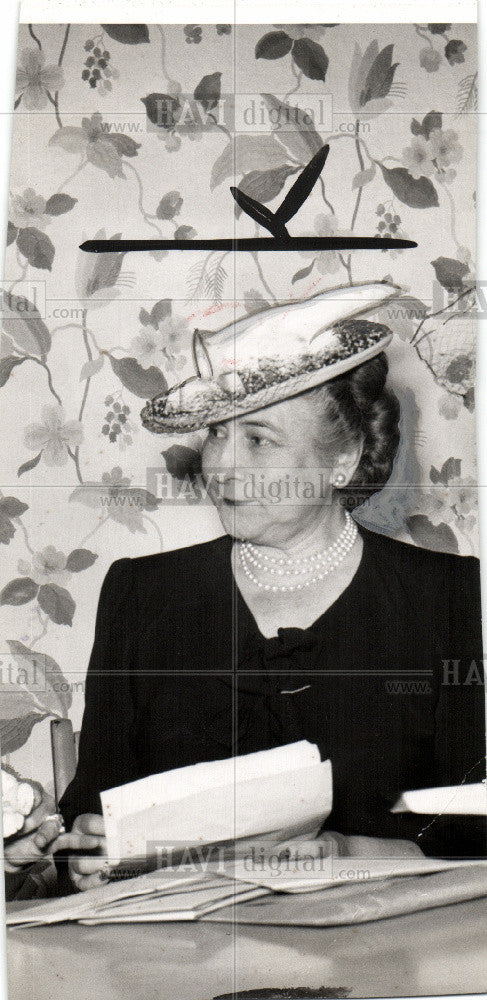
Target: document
174 894
287 788
464 800
192 892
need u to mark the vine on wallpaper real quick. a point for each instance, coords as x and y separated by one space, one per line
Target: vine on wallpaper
419 175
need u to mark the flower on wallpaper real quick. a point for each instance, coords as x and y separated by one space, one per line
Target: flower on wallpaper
97 143
453 499
98 279
146 348
151 347
326 261
174 331
172 118
28 209
444 148
47 566
417 158
430 59
162 338
54 436
119 501
35 81
371 80
433 149
191 129
449 506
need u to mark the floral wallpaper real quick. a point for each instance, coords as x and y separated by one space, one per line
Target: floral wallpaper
87 338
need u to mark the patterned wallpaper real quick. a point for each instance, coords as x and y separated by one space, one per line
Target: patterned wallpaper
86 339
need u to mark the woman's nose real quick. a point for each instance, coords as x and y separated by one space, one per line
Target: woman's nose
231 460
231 453
223 455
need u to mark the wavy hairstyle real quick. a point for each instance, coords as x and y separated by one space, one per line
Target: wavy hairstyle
358 409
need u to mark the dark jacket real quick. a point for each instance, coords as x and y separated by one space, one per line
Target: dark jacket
383 682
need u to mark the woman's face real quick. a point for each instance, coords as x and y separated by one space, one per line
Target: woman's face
265 474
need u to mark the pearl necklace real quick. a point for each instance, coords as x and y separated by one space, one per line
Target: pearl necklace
325 562
295 566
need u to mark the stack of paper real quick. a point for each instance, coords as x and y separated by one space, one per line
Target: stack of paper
182 894
167 895
284 789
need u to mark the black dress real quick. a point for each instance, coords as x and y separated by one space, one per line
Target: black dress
387 682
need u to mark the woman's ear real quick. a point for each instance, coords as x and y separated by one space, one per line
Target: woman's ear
346 464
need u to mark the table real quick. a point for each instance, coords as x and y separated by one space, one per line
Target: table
442 950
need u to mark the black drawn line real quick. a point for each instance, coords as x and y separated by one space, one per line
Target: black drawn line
274 222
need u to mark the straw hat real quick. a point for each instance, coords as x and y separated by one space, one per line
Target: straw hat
273 355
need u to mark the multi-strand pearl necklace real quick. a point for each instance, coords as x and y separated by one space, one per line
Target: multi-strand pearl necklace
322 563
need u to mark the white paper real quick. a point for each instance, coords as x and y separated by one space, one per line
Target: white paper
459 800
188 906
173 894
219 801
314 874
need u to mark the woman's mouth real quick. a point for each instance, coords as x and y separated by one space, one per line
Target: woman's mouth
227 502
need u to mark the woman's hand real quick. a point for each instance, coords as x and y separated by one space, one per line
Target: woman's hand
87 834
36 836
377 847
331 844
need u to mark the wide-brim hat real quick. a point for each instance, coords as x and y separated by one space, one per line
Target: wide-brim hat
272 355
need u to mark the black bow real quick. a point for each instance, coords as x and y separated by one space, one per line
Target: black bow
284 645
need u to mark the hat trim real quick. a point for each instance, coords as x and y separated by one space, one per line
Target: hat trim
219 404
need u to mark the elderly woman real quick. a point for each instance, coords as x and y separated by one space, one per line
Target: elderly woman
297 623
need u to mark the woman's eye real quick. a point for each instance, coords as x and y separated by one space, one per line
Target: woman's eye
258 442
215 432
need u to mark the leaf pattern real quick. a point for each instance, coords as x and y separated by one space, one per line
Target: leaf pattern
143 382
24 324
467 99
250 152
36 247
417 192
127 34
264 185
273 45
311 58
